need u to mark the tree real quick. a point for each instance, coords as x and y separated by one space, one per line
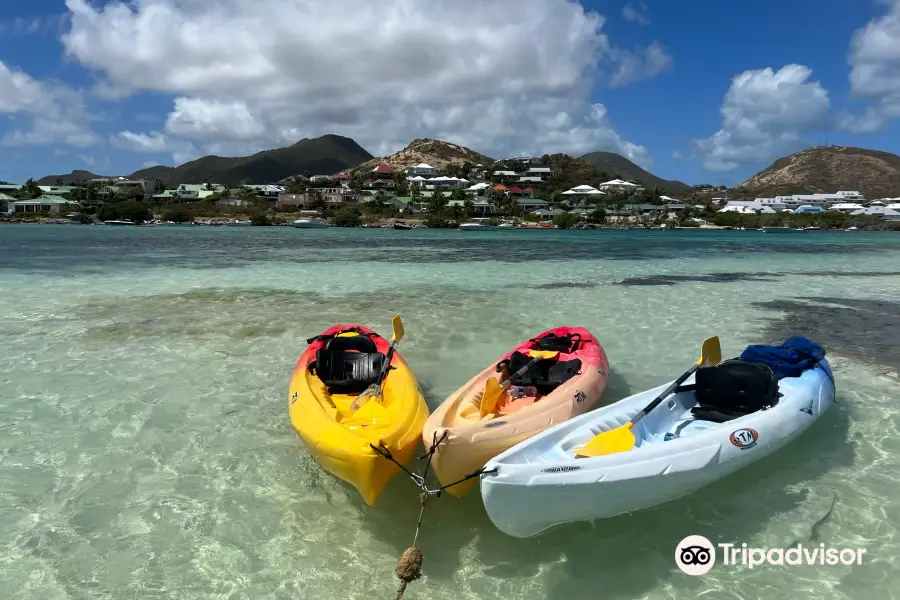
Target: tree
348 217
436 205
565 220
458 194
598 216
159 186
315 200
31 190
468 208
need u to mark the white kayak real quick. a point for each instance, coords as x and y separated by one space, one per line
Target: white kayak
539 483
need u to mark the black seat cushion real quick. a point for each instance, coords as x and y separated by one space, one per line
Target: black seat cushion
546 374
348 365
732 389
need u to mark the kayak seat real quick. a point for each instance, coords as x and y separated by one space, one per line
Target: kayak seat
568 343
733 389
546 374
348 365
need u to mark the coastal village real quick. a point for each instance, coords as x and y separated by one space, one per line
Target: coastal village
517 192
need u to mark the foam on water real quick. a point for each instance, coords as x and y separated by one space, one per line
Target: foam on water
146 451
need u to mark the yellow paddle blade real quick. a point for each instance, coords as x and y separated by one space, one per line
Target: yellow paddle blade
369 414
398 328
368 394
710 352
491 395
543 354
620 439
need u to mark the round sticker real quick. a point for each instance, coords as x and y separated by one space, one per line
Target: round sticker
744 438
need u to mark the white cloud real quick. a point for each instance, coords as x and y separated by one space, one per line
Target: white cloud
155 143
57 112
875 72
635 66
637 12
765 115
502 77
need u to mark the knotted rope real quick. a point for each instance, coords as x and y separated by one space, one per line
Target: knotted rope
409 567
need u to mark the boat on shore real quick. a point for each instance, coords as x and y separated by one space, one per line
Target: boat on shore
310 224
402 226
476 225
119 222
778 229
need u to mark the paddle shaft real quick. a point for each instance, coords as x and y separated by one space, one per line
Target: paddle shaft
521 371
385 366
665 394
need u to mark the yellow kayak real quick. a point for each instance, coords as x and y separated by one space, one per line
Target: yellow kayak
337 366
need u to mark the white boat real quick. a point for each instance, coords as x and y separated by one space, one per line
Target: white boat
476 225
120 222
506 225
779 229
310 224
540 484
402 226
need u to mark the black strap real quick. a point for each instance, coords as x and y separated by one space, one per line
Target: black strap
322 337
685 388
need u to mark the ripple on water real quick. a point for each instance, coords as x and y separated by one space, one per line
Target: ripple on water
145 449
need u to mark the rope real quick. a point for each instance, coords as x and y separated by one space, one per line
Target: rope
409 567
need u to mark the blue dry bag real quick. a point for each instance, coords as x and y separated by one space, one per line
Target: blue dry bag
790 359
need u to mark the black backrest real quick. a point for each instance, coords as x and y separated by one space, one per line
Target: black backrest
559 343
737 387
348 365
360 343
546 374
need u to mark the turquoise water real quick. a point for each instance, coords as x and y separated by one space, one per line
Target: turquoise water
146 450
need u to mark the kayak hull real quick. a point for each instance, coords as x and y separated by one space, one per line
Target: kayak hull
470 440
543 471
339 440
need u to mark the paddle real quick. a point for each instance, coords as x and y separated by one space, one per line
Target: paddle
375 390
493 389
621 439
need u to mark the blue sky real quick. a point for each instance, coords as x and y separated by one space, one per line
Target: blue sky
111 87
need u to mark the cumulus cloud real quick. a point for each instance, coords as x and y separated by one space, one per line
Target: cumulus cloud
56 112
637 12
503 77
875 72
635 66
765 114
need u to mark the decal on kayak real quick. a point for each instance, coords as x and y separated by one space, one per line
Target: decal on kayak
580 397
294 397
560 469
809 408
494 424
744 438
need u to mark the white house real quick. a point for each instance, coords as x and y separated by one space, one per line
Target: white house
851 195
617 185
442 182
846 207
748 207
146 187
504 174
888 214
422 169
44 204
582 191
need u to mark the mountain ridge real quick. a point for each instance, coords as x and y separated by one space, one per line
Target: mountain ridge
829 169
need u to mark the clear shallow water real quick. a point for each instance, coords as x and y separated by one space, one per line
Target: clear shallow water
146 451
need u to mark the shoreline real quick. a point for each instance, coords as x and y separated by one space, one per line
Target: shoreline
388 224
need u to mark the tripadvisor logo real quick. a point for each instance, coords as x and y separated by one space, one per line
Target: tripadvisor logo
696 555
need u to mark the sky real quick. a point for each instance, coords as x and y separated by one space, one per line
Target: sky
704 91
